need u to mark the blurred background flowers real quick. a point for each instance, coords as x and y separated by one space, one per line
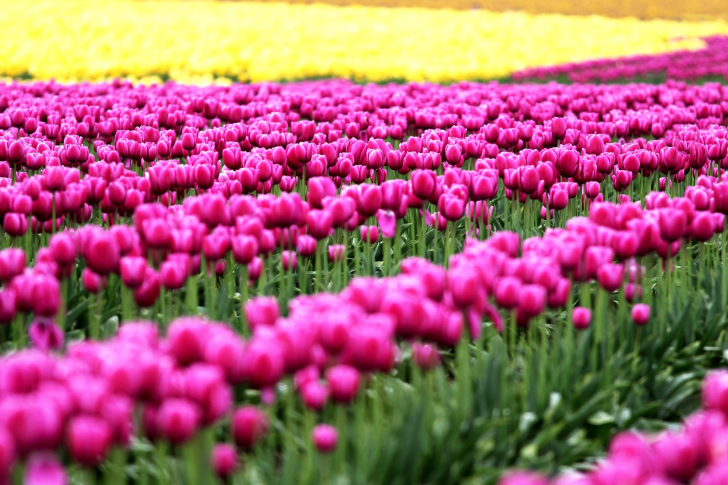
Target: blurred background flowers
202 41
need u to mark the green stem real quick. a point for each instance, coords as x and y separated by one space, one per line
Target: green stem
19 331
724 261
421 235
357 257
95 316
126 303
387 256
116 472
397 243
368 257
319 286
243 299
191 295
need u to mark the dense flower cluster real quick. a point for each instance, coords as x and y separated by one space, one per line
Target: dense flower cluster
278 41
712 61
652 9
162 191
525 141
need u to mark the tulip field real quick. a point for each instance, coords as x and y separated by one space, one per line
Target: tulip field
229 256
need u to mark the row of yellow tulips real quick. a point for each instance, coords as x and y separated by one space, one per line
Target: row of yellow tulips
197 41
646 9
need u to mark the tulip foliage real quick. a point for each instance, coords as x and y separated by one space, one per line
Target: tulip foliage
317 282
692 453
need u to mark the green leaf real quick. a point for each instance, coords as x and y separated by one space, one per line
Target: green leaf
601 418
109 327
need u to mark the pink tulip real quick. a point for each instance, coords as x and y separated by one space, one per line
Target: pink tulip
177 420
224 460
343 383
324 437
249 425
88 439
44 469
425 356
581 318
45 335
640 314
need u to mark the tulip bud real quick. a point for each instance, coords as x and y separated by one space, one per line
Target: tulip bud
12 263
255 267
7 306
531 300
319 223
343 383
8 453
678 454
425 356
324 437
15 224
46 295
314 395
224 460
249 424
306 246
424 183
148 292
609 276
45 335
132 270
672 224
523 478
640 314
173 274
88 439
92 281
369 234
244 248
336 252
318 189
369 200
507 290
715 391
102 253
558 297
581 318
177 420
262 310
63 248
289 261
263 363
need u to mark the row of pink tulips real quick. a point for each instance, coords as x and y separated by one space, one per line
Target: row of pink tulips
709 62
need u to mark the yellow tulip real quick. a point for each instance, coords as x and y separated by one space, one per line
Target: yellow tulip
200 42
